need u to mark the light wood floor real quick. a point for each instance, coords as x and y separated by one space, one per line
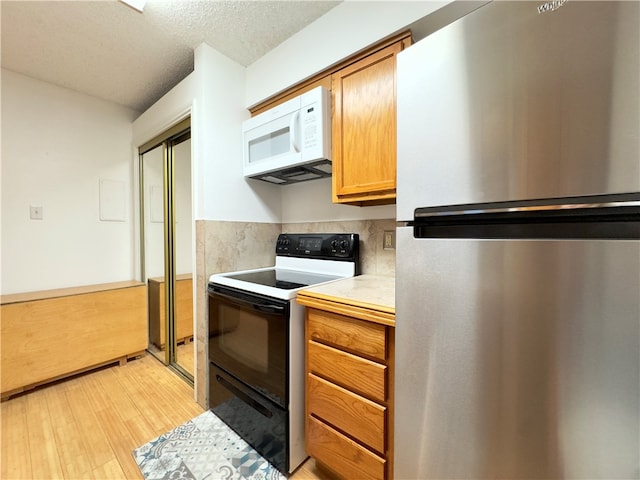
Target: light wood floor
185 356
88 426
185 353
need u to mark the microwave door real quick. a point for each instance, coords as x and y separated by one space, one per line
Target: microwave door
272 145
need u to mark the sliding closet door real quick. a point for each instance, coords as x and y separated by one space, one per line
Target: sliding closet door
167 247
183 248
153 247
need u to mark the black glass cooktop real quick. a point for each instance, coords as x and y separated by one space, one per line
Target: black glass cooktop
284 279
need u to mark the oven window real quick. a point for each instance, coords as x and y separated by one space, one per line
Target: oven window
244 337
248 338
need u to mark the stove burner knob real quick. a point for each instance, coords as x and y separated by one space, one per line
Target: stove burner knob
334 243
344 244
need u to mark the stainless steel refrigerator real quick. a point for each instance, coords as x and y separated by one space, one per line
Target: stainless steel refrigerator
518 251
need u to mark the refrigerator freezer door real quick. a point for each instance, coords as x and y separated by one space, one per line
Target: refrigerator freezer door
517 359
509 104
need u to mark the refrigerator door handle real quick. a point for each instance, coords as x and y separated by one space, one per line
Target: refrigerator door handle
554 206
612 220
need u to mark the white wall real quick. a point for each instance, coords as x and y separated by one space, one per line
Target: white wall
344 30
222 188
56 146
311 202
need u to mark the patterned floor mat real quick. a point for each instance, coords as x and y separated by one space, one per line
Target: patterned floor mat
203 448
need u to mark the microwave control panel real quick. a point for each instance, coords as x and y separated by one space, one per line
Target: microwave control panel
315 124
311 127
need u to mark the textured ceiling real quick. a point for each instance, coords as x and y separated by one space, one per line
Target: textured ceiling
109 50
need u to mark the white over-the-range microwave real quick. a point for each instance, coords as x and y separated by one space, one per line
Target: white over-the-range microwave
291 142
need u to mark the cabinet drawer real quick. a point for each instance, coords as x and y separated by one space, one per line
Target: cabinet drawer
342 454
357 336
358 374
361 418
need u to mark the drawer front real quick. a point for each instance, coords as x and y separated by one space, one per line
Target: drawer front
342 454
360 418
360 375
365 338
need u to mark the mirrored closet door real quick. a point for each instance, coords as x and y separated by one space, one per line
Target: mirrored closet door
167 246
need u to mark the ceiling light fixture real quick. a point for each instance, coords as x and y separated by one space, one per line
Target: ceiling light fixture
136 4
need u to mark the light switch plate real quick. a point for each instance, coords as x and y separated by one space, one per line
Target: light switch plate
35 212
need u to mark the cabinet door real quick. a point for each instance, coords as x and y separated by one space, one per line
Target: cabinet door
364 129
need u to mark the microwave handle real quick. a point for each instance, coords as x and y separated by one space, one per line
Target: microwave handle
293 128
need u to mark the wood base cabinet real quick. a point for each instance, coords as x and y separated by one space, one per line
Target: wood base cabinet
184 310
349 393
49 335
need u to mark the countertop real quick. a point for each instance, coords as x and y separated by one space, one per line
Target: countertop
371 297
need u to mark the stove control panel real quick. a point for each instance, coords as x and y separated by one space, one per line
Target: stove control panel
326 246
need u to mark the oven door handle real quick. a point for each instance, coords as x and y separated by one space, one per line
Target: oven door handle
269 309
266 307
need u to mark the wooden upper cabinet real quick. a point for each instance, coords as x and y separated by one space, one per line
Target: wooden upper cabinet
363 116
364 129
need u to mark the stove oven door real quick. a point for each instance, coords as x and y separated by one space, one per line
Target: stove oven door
248 338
